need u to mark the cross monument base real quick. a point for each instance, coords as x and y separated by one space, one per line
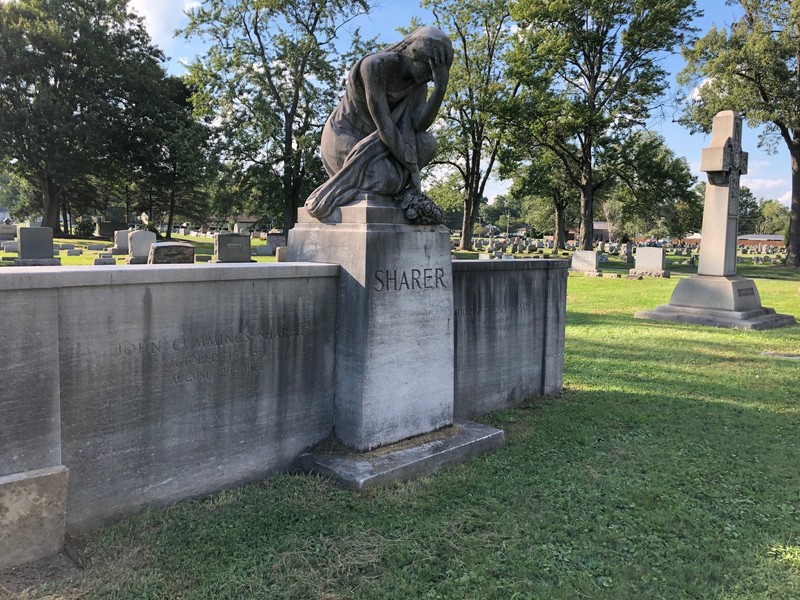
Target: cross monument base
731 302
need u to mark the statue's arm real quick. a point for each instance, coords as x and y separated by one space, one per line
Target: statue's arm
374 70
427 114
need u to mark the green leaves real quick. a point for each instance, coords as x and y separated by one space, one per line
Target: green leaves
267 83
75 79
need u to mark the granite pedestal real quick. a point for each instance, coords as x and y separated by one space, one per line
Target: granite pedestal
394 334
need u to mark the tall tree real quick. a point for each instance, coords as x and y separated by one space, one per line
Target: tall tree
753 66
267 82
595 62
74 77
774 217
182 166
471 135
545 188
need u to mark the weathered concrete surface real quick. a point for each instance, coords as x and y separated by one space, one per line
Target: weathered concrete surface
509 332
417 457
394 336
30 426
175 381
32 507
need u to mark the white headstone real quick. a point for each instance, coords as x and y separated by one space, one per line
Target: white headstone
139 245
584 260
724 162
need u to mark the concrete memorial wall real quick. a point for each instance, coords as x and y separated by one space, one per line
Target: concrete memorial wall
134 386
509 332
156 383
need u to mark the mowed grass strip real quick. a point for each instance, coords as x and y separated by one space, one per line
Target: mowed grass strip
668 468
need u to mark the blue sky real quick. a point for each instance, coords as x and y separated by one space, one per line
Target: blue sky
768 177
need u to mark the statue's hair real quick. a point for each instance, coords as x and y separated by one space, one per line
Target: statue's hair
431 33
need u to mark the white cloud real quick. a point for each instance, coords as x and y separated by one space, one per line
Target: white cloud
786 199
162 17
768 188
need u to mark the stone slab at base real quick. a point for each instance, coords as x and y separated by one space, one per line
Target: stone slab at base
409 459
760 319
37 262
651 273
32 511
717 301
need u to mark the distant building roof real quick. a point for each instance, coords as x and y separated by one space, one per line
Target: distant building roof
761 237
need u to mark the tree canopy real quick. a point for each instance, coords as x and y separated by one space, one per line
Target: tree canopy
76 79
752 66
592 73
267 82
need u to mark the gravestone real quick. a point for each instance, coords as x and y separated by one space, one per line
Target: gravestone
716 296
7 232
120 242
651 262
232 247
585 261
170 253
107 229
139 246
9 246
275 241
35 247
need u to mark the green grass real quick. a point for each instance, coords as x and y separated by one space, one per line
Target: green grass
668 468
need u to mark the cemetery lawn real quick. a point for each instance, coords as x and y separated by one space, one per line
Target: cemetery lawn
668 468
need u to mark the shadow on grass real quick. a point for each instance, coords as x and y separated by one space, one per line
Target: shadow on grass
597 494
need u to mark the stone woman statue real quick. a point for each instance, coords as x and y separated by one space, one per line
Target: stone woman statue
375 141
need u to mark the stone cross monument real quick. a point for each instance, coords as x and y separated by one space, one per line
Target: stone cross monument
724 162
716 296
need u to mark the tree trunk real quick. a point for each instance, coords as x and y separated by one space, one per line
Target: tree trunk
171 211
65 218
51 200
586 236
560 232
467 224
793 257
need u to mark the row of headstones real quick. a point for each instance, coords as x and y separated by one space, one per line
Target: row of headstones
650 262
765 249
35 247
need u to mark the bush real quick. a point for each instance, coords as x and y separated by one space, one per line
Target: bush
84 228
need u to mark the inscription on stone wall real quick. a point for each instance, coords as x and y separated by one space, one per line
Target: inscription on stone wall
743 292
394 280
197 358
496 317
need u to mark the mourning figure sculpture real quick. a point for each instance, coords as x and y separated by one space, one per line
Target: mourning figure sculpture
376 140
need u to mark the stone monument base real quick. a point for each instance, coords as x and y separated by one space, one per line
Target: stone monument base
718 301
658 273
394 331
37 262
412 458
32 509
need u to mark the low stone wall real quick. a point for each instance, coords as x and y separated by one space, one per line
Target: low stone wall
132 386
509 332
156 383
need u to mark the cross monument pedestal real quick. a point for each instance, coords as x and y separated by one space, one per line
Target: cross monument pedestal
717 296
